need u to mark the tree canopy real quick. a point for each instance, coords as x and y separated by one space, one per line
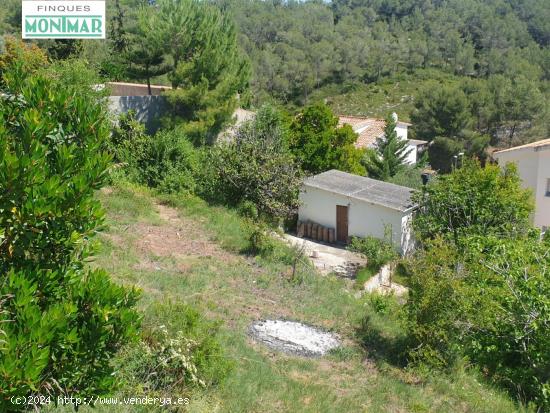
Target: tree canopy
390 155
474 200
208 69
320 145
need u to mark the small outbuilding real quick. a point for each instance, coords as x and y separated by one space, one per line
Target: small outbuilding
354 205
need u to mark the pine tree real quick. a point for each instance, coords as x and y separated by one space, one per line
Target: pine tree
119 43
146 49
390 154
209 70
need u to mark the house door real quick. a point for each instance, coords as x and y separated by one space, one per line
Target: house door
341 223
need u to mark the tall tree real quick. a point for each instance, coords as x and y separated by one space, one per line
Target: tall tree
118 32
441 110
320 145
390 155
474 200
146 52
208 68
61 49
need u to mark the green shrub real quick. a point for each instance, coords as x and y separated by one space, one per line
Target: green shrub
61 321
166 161
409 176
488 302
380 303
260 241
182 353
127 137
256 167
248 209
378 251
473 200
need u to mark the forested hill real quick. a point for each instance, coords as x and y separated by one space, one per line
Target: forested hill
483 64
368 57
296 47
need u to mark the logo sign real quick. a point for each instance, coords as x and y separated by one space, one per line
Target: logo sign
63 19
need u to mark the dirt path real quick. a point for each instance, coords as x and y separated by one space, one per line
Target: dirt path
179 238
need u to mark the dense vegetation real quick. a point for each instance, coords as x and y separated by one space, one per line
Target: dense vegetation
479 280
486 60
61 322
479 284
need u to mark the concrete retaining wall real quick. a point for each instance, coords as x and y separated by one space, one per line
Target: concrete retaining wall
148 109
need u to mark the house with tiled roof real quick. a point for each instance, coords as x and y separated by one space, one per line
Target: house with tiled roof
370 129
533 163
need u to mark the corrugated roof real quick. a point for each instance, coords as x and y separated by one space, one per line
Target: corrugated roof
366 189
538 145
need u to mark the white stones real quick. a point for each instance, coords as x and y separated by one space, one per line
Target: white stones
293 337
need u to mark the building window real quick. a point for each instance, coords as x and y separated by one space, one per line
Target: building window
548 187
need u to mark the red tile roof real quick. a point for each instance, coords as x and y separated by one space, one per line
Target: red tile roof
368 129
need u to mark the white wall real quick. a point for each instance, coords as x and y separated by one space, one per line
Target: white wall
527 163
401 131
534 170
411 157
542 214
364 218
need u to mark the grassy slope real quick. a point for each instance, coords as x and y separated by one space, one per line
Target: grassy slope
392 94
238 289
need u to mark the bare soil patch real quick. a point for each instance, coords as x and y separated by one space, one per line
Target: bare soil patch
177 238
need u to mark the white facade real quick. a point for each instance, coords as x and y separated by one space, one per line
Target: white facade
414 145
533 163
364 218
370 129
401 129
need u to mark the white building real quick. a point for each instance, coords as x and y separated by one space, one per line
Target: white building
370 129
533 162
358 206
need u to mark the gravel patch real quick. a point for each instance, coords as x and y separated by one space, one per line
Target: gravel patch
293 337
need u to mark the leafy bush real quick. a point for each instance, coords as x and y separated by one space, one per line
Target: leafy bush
320 145
28 56
256 167
62 322
473 200
127 137
259 240
166 161
489 302
378 251
380 303
410 176
185 352
247 209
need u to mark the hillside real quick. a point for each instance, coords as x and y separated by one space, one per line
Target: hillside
182 251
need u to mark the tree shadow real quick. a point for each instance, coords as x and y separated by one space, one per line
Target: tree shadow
382 345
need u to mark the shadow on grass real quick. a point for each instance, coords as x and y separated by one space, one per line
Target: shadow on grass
382 345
